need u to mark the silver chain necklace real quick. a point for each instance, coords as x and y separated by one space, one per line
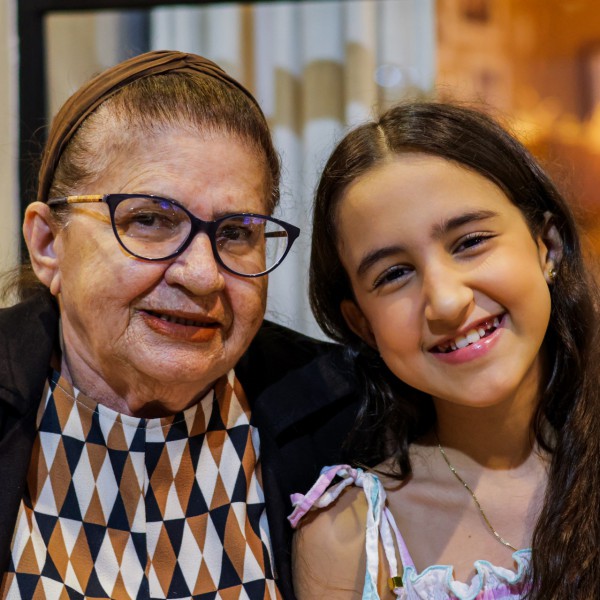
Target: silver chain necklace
466 486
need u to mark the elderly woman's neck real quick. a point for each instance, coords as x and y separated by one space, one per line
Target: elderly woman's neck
120 386
143 399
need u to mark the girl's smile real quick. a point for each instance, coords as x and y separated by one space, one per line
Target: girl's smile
476 343
472 335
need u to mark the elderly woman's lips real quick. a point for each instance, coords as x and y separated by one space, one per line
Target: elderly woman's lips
194 330
182 320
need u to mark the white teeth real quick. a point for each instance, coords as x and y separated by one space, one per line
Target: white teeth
472 336
461 342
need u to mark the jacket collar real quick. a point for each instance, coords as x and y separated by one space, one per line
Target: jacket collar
302 392
29 331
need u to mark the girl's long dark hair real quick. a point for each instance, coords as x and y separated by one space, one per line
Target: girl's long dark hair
566 539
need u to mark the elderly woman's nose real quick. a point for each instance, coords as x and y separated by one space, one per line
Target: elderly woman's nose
197 268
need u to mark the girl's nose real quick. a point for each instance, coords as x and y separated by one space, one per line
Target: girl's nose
448 298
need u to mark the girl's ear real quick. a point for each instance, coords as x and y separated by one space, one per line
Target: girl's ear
550 246
40 232
357 322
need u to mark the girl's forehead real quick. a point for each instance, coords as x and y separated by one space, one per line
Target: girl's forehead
418 186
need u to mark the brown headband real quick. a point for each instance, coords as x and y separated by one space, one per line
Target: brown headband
93 93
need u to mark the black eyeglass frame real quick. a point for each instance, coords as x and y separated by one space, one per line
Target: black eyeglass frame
197 226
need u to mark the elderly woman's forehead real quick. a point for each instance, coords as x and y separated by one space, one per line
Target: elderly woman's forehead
180 165
110 146
112 133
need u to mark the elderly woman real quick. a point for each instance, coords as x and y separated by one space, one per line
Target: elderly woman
129 462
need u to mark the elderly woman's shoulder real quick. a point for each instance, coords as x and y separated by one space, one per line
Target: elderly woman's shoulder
274 352
274 335
37 310
28 335
294 368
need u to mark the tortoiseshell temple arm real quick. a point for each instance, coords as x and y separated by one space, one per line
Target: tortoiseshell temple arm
75 199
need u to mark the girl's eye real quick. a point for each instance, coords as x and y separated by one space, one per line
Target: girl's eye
394 274
472 240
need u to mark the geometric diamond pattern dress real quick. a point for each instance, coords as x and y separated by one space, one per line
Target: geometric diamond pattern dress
127 508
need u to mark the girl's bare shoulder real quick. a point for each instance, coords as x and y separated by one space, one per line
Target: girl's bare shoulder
328 549
343 520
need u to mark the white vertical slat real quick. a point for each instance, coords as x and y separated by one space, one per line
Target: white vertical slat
223 38
322 27
10 231
406 44
278 52
361 30
178 28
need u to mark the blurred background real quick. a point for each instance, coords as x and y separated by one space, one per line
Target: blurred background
318 67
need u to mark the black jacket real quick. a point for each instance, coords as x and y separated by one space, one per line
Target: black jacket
300 390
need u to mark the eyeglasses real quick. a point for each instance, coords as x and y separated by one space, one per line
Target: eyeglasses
154 228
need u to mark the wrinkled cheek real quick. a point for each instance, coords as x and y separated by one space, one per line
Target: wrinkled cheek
256 303
258 316
135 336
247 321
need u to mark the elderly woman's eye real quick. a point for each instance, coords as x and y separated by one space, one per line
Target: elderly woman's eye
233 233
237 233
147 219
151 219
150 225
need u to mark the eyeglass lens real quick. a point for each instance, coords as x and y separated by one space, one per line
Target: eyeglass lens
156 228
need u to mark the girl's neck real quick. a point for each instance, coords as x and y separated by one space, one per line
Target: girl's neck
496 437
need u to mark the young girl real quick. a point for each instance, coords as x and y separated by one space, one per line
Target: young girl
450 265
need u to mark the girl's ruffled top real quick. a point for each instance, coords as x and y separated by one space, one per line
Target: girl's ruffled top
433 583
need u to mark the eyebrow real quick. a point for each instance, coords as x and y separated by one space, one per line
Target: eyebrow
216 215
438 231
